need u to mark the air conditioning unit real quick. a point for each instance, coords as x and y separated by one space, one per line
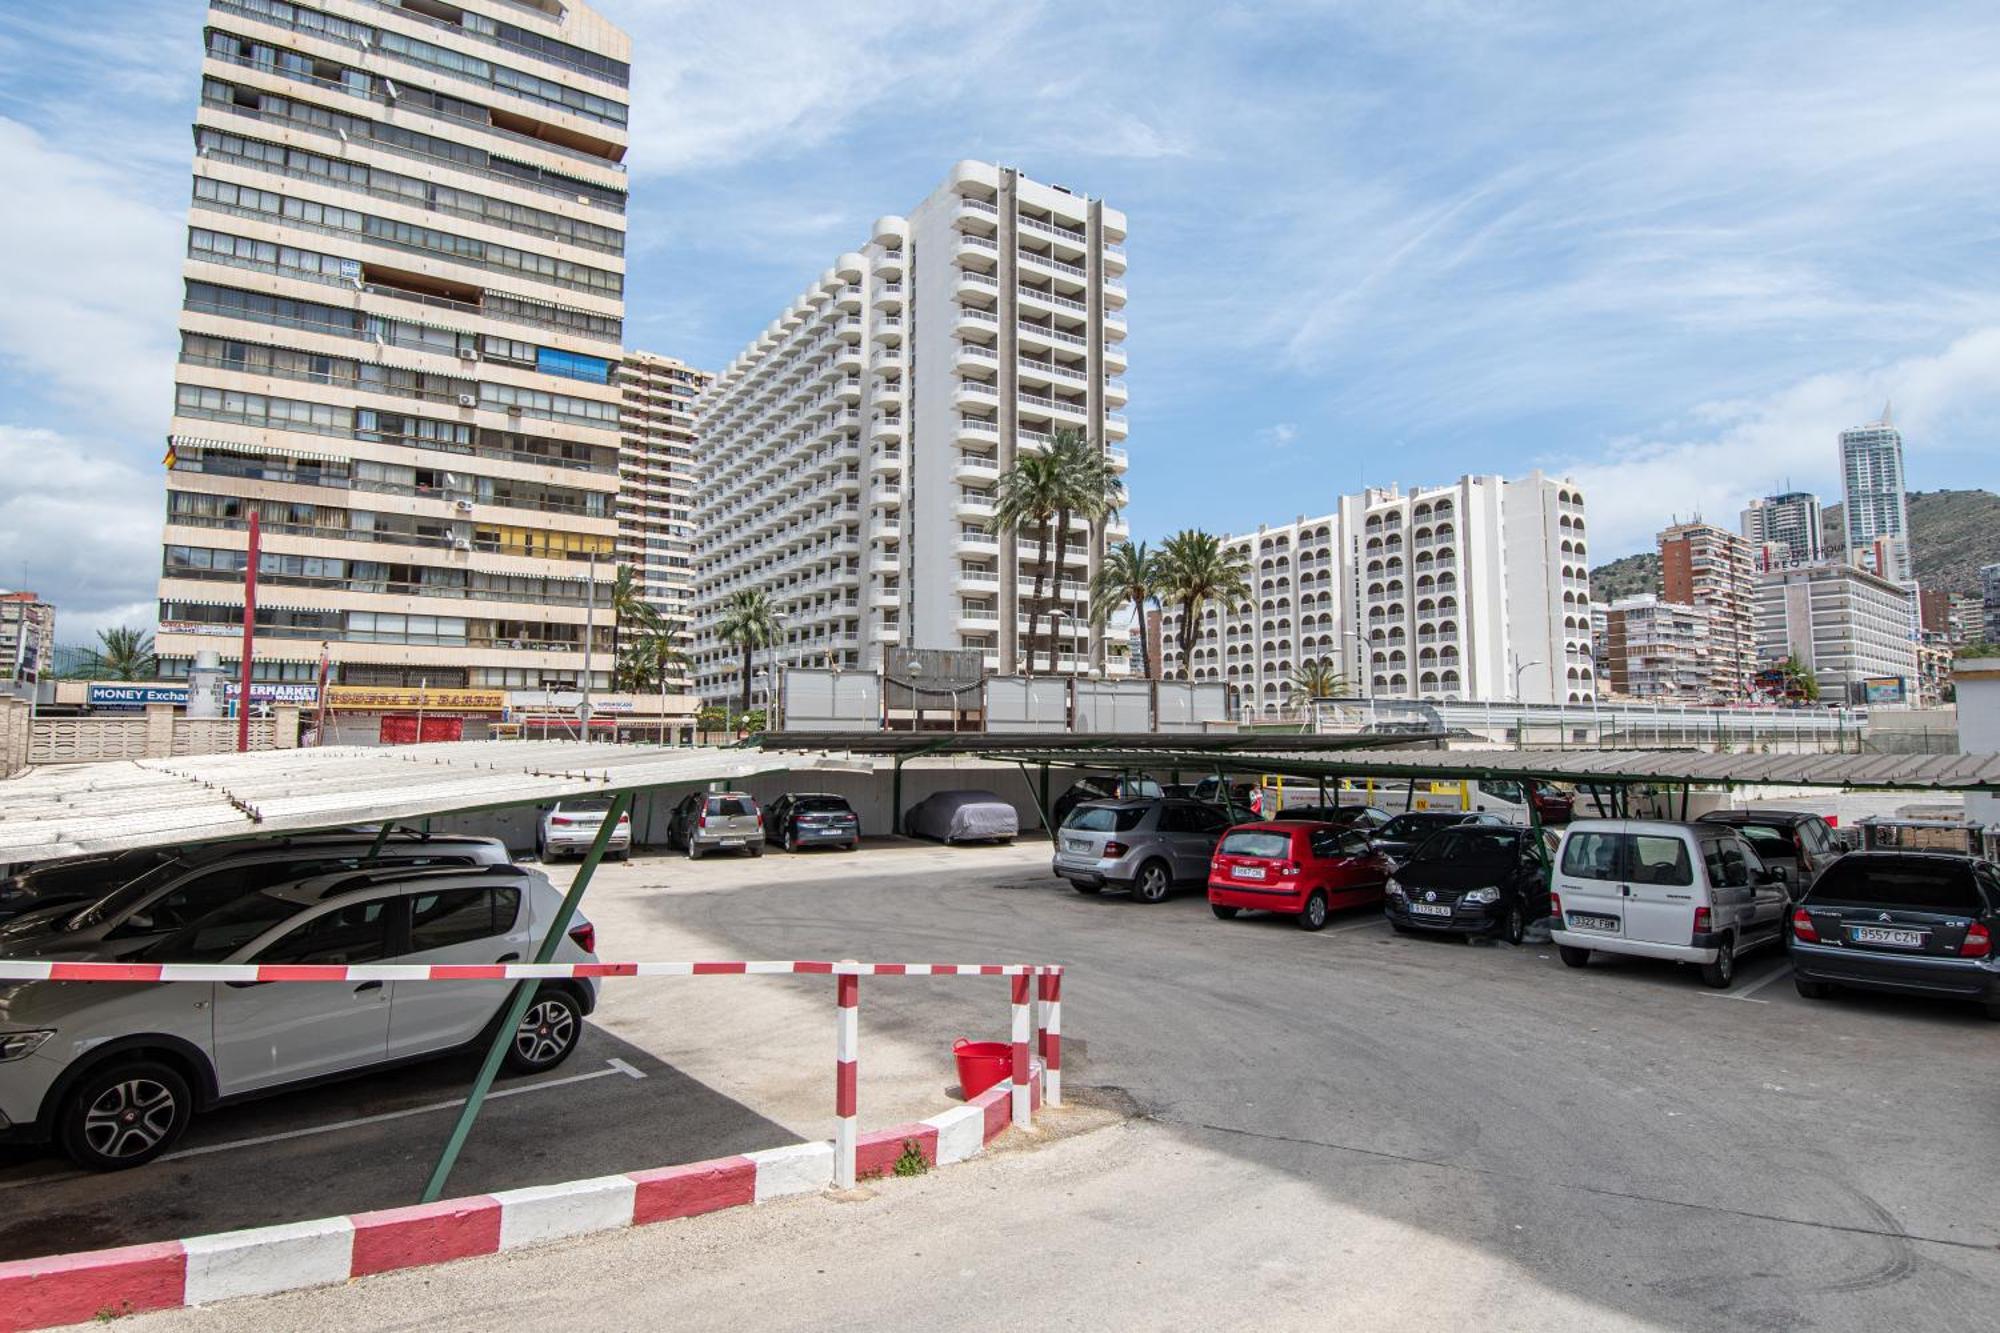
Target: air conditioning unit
464 506
468 400
468 353
461 543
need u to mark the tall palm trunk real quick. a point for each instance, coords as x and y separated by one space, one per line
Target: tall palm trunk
1187 634
1145 650
1035 599
1062 554
749 649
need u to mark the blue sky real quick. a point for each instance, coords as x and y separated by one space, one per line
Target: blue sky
1669 249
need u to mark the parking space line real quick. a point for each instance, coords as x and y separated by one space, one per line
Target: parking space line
1360 925
612 1066
1778 973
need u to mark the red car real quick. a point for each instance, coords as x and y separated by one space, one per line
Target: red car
1552 804
1301 869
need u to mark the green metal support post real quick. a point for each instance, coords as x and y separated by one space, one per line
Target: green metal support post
524 993
1045 807
896 799
381 836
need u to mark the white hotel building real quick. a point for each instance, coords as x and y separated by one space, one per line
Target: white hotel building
402 315
851 451
1479 590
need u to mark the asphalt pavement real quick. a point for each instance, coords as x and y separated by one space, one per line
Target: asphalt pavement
1350 1128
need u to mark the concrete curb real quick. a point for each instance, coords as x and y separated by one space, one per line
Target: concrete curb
261 1261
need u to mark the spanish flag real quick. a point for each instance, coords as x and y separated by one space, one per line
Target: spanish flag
171 458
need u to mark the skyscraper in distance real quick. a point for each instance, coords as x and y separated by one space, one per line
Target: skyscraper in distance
1789 523
1873 500
402 316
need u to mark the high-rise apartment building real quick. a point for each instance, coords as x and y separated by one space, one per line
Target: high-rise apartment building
1846 624
1784 529
1873 501
1476 590
1710 567
1654 649
851 451
656 490
1989 603
403 301
27 639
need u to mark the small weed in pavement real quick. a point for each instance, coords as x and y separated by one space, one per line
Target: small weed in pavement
912 1162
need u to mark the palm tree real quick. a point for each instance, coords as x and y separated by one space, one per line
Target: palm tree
124 653
1090 490
750 622
1028 497
1195 570
648 660
1129 574
1316 679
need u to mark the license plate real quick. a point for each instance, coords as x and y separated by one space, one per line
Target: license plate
1247 872
1076 845
1429 909
1903 939
732 842
1582 922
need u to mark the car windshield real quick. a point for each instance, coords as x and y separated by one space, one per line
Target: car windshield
1926 885
1472 843
1257 842
223 931
1416 826
1105 818
129 895
588 805
822 804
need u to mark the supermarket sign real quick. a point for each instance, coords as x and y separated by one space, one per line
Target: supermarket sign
112 694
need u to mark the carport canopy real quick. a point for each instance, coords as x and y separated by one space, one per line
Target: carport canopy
131 804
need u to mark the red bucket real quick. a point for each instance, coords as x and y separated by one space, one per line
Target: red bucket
981 1064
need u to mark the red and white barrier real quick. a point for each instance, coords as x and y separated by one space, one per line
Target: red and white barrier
210 1265
262 1261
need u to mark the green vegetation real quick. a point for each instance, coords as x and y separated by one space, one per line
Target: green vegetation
912 1161
1316 679
1129 574
122 653
750 622
1628 576
1045 493
1193 571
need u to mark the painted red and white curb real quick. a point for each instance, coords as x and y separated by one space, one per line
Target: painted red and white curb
263 1261
15 969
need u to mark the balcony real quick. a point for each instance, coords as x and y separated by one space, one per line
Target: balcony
981 428
888 294
1050 298
973 317
1051 263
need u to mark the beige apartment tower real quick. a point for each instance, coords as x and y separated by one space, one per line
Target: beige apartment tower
402 319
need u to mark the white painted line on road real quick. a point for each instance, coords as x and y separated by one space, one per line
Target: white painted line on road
1360 925
613 1066
1778 973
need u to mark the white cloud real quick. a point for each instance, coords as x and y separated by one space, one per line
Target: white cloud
92 281
79 526
1746 448
1281 435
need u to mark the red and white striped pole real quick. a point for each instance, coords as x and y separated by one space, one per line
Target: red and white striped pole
1051 1042
847 1042
1023 1105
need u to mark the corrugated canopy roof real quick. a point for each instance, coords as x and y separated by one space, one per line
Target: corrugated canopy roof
63 811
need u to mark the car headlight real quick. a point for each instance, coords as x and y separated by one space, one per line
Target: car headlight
1483 897
18 1045
1392 888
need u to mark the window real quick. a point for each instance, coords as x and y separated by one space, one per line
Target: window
1207 820
1929 884
1258 843
1659 859
1593 855
356 933
1104 818
459 916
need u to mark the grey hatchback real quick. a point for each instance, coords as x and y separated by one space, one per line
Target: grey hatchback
1147 846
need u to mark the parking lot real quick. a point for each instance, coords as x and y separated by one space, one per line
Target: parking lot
1619 1136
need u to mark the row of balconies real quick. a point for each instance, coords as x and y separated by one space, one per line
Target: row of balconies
786 487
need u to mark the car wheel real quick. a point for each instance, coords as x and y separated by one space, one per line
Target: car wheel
854 846
1224 913
1993 1010
1154 883
1722 971
547 1034
1817 990
788 840
1086 888
1574 957
694 852
124 1115
1514 926
1314 917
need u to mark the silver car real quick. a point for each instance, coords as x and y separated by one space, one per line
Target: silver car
569 828
1145 846
181 888
717 821
113 1072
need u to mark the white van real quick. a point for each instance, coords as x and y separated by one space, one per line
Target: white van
1692 893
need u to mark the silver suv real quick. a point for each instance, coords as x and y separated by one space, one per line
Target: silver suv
178 889
113 1072
1145 846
